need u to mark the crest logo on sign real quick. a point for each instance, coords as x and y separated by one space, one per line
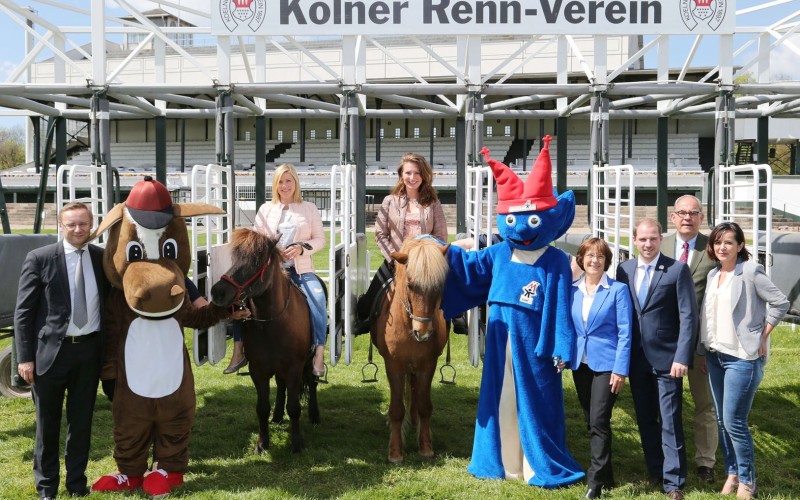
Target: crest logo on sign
697 12
250 13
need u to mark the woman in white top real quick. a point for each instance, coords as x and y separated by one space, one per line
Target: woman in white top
740 309
299 226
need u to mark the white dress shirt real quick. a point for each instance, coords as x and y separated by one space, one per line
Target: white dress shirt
90 286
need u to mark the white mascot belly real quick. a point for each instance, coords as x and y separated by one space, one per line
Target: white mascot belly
154 357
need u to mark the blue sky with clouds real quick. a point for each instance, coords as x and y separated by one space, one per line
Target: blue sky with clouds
785 63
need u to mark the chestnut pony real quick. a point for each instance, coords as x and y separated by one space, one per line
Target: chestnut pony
277 337
410 334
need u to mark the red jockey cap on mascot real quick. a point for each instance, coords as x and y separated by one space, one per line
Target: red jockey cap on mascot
146 259
527 282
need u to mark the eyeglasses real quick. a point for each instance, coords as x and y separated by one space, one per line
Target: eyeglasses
594 256
683 213
75 225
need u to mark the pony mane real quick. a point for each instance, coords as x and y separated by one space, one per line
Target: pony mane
251 246
426 267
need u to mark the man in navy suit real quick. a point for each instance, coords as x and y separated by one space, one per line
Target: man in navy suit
57 325
662 348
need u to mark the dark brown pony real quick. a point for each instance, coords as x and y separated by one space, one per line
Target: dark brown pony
277 337
410 334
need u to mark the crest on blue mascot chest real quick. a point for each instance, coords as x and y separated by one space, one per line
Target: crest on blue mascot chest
529 214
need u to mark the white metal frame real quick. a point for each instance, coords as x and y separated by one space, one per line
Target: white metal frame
354 273
211 184
69 178
738 200
480 220
612 214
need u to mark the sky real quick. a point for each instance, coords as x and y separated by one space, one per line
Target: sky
785 63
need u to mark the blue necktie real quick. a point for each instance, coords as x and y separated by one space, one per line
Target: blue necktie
642 295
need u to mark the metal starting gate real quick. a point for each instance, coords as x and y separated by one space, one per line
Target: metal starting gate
348 263
480 221
210 235
70 178
613 213
744 196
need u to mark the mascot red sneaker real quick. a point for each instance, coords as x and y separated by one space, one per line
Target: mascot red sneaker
146 259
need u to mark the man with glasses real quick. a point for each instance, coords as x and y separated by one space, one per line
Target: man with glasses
688 245
57 330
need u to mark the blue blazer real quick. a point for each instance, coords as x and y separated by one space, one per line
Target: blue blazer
666 325
606 339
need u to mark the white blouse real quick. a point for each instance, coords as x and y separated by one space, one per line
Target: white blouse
717 331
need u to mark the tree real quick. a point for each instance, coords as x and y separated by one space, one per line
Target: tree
12 147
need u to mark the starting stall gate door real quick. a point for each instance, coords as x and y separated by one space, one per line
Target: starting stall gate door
70 178
480 221
744 196
348 263
211 184
612 211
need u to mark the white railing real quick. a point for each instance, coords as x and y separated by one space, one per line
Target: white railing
480 221
348 274
613 214
211 184
70 178
739 200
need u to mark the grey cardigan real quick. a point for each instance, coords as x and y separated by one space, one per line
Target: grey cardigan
756 301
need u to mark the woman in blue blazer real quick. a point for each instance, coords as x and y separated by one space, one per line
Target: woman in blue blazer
740 309
601 312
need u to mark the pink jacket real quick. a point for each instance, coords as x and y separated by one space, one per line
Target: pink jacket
390 223
309 229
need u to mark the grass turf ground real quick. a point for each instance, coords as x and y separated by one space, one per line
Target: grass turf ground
345 455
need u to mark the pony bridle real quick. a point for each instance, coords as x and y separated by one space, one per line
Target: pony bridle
421 319
259 274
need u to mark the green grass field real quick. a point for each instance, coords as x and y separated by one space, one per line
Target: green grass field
345 455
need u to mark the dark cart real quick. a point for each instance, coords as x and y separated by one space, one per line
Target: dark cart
13 249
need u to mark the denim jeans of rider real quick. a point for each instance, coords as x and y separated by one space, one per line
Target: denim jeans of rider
315 293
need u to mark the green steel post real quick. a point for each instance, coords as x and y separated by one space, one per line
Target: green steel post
261 161
161 149
762 134
561 154
662 159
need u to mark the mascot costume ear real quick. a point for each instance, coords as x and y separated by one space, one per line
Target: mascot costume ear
149 206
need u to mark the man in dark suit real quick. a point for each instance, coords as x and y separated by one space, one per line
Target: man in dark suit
57 330
664 329
688 244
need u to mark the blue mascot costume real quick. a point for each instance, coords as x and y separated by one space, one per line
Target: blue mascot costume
520 428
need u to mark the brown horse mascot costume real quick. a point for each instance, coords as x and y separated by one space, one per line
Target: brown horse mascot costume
146 260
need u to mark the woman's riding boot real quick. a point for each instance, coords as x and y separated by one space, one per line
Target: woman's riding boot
319 361
238 360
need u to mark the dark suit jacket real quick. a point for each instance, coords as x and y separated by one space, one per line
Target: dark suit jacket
666 326
44 306
700 265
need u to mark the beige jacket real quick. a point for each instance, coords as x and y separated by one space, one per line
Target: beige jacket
309 229
390 223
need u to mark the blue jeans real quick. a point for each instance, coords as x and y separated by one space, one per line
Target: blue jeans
733 385
315 293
